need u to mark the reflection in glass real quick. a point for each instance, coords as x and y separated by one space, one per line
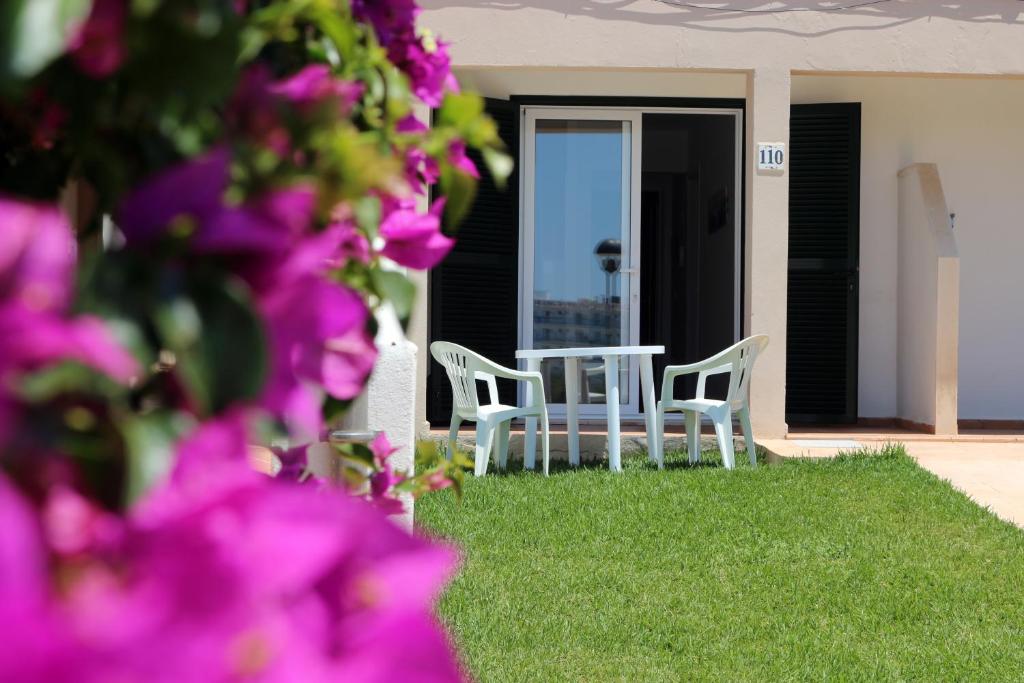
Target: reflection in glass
581 235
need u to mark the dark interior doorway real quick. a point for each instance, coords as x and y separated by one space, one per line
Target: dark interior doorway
688 238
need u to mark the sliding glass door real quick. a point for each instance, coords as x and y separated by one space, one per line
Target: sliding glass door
581 247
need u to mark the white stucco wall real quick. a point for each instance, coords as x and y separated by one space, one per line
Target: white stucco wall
922 36
618 82
943 107
971 128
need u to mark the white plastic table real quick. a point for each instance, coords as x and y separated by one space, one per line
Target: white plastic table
611 355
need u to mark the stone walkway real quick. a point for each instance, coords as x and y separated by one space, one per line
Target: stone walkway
989 470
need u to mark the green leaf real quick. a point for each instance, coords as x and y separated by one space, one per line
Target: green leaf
499 164
367 212
64 378
334 408
459 190
150 443
218 342
460 110
395 287
35 32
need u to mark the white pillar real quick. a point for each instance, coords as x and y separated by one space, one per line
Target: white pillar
767 247
389 402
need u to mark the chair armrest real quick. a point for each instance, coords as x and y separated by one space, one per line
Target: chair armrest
492 385
491 369
710 366
703 376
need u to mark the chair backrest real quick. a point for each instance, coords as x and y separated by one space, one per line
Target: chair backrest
461 365
741 357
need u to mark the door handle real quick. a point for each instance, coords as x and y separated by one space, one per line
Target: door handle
628 271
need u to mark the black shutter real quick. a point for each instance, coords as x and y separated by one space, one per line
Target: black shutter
474 292
824 234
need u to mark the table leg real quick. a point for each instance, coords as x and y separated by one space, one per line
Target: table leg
530 435
611 388
654 438
572 392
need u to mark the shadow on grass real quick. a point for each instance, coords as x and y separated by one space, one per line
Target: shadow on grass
637 462
676 461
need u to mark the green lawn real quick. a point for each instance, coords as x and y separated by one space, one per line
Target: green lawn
861 568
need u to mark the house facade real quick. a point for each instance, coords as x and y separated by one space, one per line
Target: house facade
846 177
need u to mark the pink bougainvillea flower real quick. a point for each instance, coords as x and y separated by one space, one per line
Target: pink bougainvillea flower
318 342
354 246
37 255
268 223
37 646
32 339
436 481
249 579
457 158
98 48
426 62
253 111
73 524
194 191
389 18
383 481
414 239
314 85
37 259
410 124
421 170
423 58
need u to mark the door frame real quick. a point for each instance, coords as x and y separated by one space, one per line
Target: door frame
614 108
630 286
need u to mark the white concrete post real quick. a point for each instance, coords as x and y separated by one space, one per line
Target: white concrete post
767 247
389 403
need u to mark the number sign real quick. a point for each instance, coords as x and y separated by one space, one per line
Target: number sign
771 156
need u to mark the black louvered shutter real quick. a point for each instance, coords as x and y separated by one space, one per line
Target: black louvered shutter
474 292
824 234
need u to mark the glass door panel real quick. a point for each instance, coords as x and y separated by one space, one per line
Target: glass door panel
579 216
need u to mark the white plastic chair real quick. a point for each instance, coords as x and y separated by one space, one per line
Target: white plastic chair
493 420
738 361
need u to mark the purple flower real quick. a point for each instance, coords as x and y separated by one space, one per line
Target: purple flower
424 59
428 66
191 194
253 111
383 481
354 245
389 18
318 342
37 260
317 328
31 339
249 579
37 255
410 124
421 170
457 158
314 85
413 239
98 48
